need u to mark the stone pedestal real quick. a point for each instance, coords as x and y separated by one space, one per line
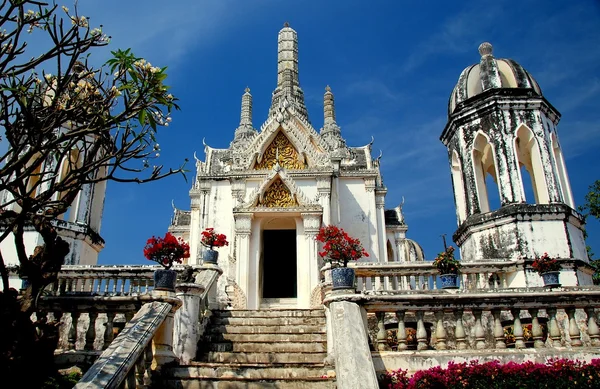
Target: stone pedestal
186 327
353 362
163 339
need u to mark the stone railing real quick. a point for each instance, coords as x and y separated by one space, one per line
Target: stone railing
415 330
93 304
127 362
105 280
423 276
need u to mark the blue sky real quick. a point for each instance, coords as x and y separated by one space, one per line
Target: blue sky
391 66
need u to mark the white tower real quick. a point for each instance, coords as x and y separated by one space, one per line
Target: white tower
500 130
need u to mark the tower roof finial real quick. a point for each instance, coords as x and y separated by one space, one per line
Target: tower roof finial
286 24
485 49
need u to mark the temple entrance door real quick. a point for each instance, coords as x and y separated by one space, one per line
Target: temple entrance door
279 264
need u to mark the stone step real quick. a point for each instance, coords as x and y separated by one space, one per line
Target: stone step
265 338
229 384
284 347
267 321
270 313
253 372
261 357
285 329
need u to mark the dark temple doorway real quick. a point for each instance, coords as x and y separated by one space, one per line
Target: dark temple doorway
279 264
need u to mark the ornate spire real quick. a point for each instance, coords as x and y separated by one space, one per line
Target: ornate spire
331 132
288 83
245 132
328 106
246 116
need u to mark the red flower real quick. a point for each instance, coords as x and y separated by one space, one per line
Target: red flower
338 247
545 264
211 239
167 250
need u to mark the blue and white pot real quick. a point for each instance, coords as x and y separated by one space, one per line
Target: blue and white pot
164 279
551 278
210 256
342 278
449 281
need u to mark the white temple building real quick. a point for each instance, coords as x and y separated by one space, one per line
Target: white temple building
272 190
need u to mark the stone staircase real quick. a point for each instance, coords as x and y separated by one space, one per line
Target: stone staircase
284 349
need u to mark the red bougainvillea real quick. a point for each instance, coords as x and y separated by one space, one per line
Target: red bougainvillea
545 264
338 247
167 250
211 239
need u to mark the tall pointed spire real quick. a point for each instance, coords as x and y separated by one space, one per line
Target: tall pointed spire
331 132
246 115
245 132
288 83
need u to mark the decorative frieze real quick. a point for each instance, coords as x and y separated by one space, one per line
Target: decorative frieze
243 223
311 222
369 184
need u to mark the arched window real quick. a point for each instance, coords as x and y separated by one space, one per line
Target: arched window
561 170
484 164
459 188
528 157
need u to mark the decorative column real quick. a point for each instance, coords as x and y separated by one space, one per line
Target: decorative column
195 221
324 193
238 190
243 230
380 205
311 222
163 338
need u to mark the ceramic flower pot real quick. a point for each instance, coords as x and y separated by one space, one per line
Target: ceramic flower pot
164 279
449 281
210 256
551 278
342 278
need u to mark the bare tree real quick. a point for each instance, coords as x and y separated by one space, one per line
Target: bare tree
67 124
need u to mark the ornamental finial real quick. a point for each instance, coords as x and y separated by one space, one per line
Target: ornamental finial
286 24
247 90
327 88
485 49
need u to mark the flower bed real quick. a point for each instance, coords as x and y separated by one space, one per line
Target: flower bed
556 374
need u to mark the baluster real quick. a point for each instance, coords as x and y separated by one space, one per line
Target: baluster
73 331
106 282
593 330
381 334
536 329
574 332
140 369
401 334
148 364
359 284
440 331
147 285
421 332
114 285
130 379
479 331
459 330
90 335
405 282
553 330
517 328
109 331
122 288
498 330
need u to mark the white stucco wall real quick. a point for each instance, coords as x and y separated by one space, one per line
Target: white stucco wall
356 217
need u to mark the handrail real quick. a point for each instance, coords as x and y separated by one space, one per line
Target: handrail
132 347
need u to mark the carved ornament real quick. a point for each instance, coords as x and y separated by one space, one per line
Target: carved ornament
283 152
278 195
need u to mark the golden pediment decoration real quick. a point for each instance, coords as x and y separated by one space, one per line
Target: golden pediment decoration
278 196
280 150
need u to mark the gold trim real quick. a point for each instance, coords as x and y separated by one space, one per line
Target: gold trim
278 196
280 150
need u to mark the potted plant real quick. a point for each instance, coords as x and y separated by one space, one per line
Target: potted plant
209 240
448 267
165 251
548 268
339 249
